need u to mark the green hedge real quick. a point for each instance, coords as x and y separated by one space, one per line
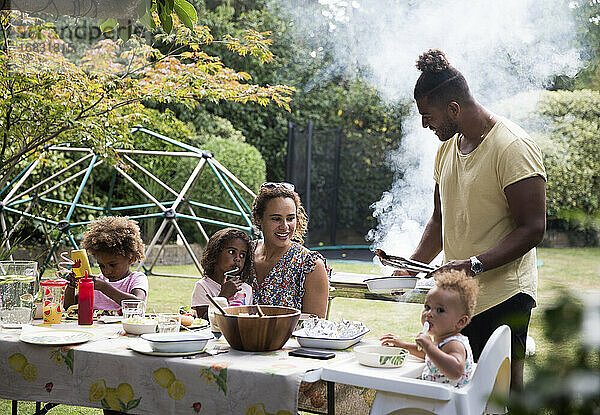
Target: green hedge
566 126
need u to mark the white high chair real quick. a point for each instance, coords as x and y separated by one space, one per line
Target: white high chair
490 378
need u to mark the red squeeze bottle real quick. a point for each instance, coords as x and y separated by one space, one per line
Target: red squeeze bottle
86 301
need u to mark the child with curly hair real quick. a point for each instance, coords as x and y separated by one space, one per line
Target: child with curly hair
116 243
447 310
227 252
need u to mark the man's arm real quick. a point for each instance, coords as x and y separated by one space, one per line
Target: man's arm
527 203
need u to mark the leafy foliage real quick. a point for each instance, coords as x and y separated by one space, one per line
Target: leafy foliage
341 102
565 380
565 125
49 99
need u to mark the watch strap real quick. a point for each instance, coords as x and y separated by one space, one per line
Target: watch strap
476 265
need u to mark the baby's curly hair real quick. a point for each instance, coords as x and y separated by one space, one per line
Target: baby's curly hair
217 242
466 287
265 194
117 235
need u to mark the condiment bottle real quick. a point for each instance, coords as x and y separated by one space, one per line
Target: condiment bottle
86 301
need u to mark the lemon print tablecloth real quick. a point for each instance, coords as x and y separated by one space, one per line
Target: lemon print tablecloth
104 373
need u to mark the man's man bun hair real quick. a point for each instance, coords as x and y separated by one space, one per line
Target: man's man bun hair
434 60
440 82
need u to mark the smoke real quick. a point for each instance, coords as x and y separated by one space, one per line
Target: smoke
503 47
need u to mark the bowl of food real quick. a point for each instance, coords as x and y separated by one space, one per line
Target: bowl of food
244 329
335 343
380 356
177 342
327 334
139 325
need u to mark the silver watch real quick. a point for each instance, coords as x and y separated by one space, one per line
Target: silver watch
476 265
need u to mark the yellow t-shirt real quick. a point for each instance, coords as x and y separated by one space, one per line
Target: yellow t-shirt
475 213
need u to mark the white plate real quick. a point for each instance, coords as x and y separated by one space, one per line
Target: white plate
326 343
142 346
55 337
202 324
391 284
110 319
12 325
177 342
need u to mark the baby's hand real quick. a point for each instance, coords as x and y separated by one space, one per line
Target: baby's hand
423 341
390 340
230 287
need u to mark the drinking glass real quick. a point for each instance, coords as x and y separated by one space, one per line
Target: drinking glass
168 322
18 279
54 293
15 315
132 308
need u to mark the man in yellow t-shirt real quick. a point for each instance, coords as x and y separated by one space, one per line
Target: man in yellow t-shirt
489 204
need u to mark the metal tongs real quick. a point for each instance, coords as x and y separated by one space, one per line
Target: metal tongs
400 262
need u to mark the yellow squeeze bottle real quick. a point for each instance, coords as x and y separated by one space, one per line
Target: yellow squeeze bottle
81 264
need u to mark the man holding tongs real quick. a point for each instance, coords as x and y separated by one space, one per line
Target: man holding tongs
489 205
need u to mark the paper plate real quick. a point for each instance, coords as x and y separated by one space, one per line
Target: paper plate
56 337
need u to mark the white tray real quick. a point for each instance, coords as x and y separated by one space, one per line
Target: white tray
325 343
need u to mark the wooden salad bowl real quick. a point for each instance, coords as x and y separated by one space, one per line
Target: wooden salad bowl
245 330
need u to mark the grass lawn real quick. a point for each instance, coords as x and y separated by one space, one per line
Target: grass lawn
577 269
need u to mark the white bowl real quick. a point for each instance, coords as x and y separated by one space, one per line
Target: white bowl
326 343
380 356
139 326
386 285
177 342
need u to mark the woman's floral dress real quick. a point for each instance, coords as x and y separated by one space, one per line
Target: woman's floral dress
284 285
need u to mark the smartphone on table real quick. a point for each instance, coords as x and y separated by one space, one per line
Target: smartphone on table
312 354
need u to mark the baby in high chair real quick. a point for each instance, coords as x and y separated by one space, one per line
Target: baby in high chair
447 310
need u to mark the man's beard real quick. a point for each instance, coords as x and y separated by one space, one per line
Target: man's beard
447 130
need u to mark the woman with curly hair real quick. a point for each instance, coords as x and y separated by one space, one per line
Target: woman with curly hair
226 262
116 243
285 272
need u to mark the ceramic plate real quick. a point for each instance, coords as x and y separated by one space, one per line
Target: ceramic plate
198 323
56 337
110 319
391 284
142 346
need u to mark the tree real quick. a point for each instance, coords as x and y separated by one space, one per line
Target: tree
47 98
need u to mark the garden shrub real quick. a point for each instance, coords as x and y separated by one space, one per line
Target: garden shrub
565 124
